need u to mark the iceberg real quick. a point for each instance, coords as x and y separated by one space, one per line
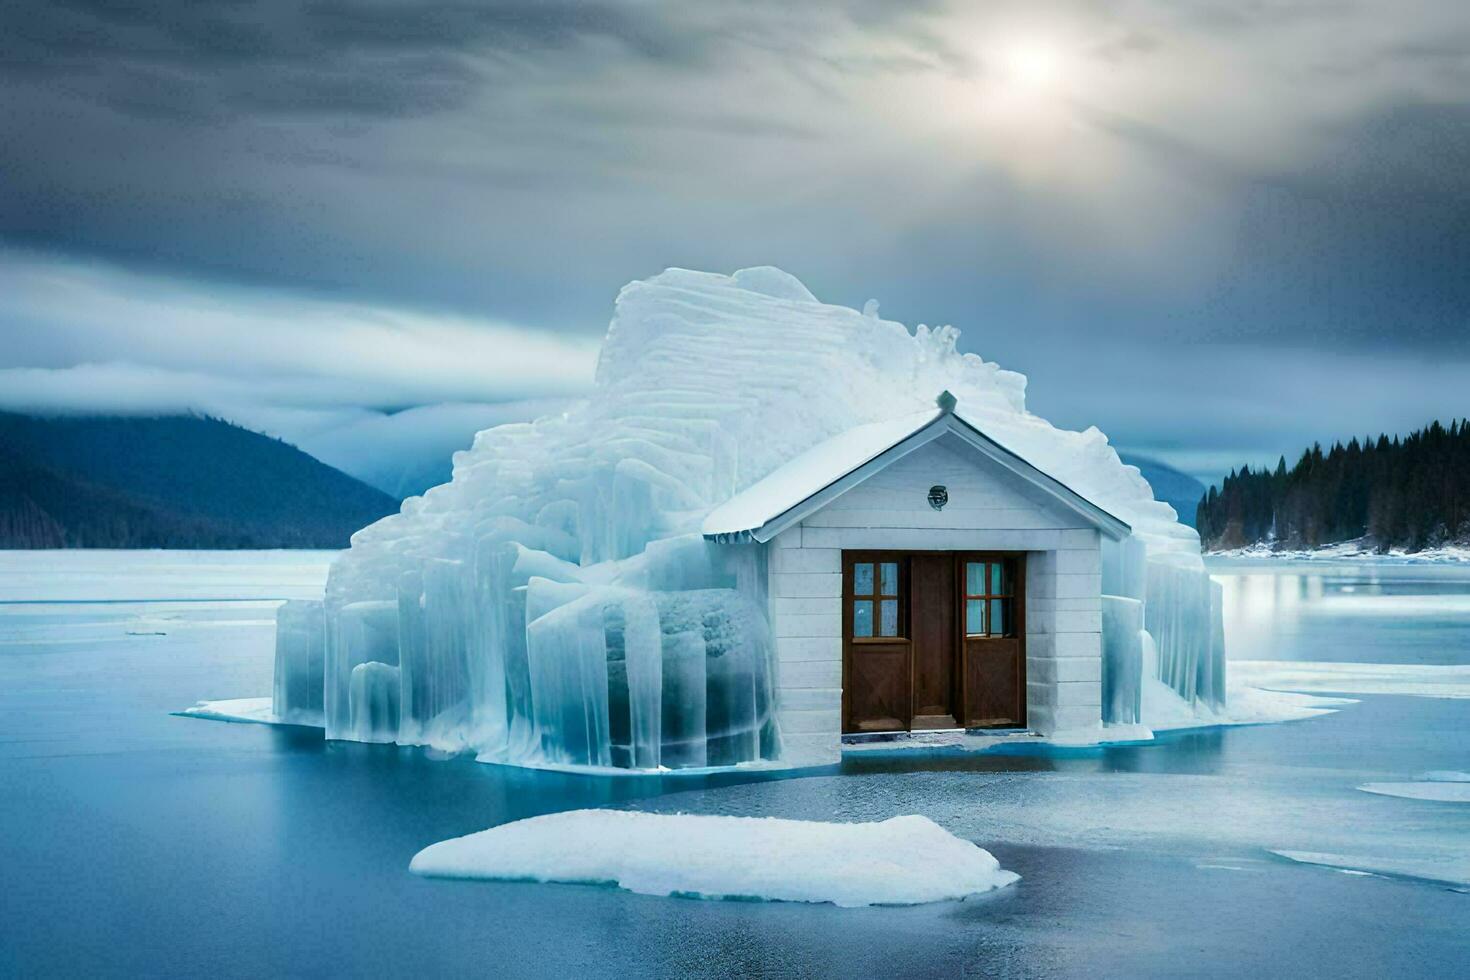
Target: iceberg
555 602
901 861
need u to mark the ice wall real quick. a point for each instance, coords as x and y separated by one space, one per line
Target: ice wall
1122 667
554 602
300 644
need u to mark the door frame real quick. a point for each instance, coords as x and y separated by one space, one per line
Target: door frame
851 556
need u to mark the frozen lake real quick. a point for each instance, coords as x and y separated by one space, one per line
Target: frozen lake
134 842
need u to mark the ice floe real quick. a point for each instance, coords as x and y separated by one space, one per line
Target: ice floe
1453 871
255 711
906 860
1444 792
1418 680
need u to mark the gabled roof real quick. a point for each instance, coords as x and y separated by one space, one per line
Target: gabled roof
829 469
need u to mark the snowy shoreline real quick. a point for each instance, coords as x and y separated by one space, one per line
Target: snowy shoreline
1355 551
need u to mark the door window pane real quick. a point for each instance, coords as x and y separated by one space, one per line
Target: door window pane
974 578
888 616
862 617
975 617
889 575
999 622
862 579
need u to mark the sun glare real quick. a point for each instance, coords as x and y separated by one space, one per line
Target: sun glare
1030 65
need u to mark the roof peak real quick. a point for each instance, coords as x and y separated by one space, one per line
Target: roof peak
945 401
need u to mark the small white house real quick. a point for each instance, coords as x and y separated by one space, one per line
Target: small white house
921 577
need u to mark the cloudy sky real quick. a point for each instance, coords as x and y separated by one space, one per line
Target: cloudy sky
1218 229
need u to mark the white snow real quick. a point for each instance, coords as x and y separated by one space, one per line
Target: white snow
1444 792
902 861
831 461
1418 680
255 711
810 472
1246 705
556 604
1358 549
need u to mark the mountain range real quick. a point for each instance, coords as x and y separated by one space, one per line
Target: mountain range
187 481
170 482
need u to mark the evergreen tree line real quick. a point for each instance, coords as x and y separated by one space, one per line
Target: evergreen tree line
1411 493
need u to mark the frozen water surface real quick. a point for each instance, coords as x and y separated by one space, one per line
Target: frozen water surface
139 843
1445 792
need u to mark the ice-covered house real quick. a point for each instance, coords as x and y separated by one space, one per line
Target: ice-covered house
922 576
762 532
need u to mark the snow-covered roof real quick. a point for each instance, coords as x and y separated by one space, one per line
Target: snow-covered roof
827 470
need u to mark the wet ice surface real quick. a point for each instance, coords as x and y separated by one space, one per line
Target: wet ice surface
137 842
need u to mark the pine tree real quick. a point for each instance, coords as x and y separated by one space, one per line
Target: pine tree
1411 492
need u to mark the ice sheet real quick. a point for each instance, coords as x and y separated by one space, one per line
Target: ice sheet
902 861
1417 680
256 711
1451 871
120 575
1444 792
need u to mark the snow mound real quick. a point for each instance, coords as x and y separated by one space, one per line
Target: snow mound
903 861
1246 705
556 604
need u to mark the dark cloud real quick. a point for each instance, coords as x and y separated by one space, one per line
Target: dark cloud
1286 176
227 58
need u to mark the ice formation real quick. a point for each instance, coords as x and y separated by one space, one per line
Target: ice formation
901 861
554 603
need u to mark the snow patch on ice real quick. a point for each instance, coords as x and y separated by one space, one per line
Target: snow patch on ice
1246 705
1417 680
903 861
255 711
1443 792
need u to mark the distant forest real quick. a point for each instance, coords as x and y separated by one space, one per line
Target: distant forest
1411 493
170 482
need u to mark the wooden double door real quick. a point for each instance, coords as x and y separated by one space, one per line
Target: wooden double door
932 640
